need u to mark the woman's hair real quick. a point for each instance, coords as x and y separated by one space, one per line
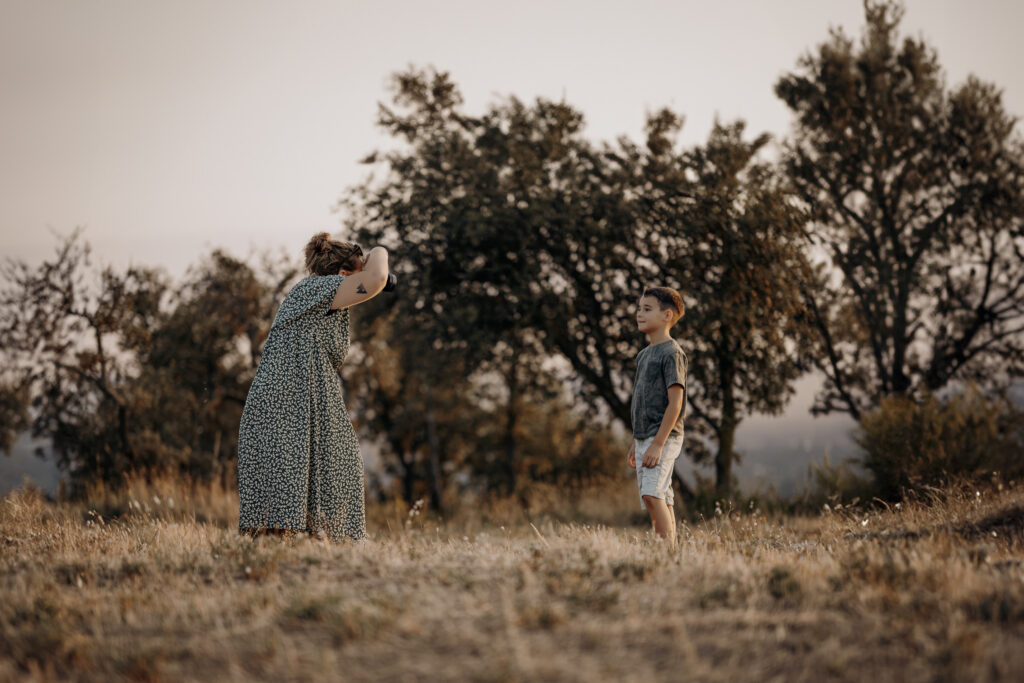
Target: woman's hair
325 256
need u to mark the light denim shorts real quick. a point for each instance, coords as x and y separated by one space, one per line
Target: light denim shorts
657 481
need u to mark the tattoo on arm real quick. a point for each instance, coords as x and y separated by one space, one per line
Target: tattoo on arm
360 289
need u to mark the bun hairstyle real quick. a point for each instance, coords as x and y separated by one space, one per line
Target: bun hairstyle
325 256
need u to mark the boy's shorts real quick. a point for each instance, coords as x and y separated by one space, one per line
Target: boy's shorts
657 481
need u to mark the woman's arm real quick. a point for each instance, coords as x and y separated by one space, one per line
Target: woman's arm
367 283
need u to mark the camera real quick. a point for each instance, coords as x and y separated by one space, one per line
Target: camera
391 283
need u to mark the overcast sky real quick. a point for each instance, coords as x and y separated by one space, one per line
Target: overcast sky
168 128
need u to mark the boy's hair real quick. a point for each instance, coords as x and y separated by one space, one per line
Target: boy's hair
667 299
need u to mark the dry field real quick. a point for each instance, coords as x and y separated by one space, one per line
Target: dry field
168 591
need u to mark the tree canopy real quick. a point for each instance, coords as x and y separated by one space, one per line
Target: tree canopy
717 222
123 374
519 240
916 199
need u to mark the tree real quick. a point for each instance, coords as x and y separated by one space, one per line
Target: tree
591 277
70 346
203 355
918 444
457 210
717 224
437 426
916 196
419 405
517 239
122 375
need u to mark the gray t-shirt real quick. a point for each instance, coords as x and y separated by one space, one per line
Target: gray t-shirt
658 367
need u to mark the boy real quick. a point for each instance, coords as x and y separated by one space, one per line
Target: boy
658 407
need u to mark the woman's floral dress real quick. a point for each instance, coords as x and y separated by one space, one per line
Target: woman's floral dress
299 465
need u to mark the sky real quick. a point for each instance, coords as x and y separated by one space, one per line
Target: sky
165 129
168 128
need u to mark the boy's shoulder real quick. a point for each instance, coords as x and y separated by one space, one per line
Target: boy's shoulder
669 347
669 352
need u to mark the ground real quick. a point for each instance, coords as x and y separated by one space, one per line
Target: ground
932 590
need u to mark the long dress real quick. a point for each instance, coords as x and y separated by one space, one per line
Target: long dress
299 465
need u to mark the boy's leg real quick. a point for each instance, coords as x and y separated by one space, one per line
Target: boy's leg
663 518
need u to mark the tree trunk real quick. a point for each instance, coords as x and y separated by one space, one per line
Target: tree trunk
723 459
511 418
900 381
122 424
408 476
686 493
407 484
726 430
434 449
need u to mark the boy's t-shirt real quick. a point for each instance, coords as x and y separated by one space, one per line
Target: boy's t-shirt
658 367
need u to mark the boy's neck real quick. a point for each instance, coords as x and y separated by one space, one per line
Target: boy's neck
658 336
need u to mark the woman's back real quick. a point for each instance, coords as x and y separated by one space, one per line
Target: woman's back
299 465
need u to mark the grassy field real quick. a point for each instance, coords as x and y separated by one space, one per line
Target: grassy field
169 591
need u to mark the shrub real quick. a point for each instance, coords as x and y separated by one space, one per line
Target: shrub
910 444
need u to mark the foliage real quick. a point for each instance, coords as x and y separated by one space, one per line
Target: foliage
203 356
561 445
442 430
123 374
70 344
473 209
518 239
916 196
417 406
126 379
14 416
909 445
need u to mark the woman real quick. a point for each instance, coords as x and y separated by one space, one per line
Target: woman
299 466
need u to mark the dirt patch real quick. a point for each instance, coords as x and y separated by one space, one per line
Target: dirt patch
1007 524
901 534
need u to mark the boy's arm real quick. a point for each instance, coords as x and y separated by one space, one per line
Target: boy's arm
675 406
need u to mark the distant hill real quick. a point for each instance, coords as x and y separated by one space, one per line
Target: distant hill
778 450
23 464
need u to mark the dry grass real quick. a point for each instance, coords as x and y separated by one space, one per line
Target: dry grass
170 592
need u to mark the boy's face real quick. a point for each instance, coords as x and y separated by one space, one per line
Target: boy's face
649 315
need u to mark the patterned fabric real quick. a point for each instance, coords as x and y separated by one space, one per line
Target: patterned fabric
299 465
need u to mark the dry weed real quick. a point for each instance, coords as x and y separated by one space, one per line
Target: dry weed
170 591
